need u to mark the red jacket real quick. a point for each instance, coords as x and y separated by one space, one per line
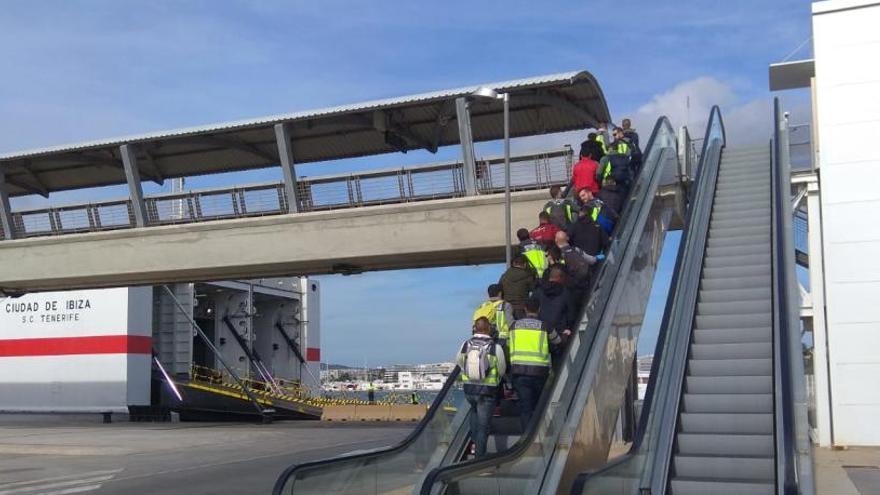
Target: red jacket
584 175
544 233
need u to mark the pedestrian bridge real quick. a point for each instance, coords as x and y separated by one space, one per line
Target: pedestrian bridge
426 215
443 232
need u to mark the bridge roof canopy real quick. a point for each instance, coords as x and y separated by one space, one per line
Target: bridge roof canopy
538 105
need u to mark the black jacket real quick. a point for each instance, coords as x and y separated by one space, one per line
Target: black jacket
612 195
557 310
588 236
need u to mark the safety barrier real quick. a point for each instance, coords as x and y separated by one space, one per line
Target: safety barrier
374 187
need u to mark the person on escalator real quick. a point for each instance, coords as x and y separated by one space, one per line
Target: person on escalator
533 251
611 195
578 266
498 311
583 174
629 133
517 283
595 209
562 211
530 362
482 364
588 235
558 311
545 232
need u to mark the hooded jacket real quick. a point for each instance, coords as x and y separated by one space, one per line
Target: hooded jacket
516 284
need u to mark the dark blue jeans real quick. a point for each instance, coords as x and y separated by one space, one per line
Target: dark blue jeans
482 407
528 388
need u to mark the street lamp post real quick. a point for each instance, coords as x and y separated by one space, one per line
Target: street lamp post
489 93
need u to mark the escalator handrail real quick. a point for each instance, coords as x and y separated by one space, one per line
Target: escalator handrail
793 469
461 470
436 405
695 230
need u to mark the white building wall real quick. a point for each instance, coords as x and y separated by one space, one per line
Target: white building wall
846 42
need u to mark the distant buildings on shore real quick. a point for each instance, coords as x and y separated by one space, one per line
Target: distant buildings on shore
397 377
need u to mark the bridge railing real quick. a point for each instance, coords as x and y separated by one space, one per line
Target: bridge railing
368 188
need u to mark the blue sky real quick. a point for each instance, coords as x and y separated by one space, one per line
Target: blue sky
78 70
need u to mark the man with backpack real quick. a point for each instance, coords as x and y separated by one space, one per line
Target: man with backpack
482 365
497 311
562 211
530 342
616 166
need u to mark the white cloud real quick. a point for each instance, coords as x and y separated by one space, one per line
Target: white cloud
689 103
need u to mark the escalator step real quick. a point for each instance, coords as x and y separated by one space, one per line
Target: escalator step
732 335
734 307
737 272
723 295
724 444
728 403
743 423
733 321
752 282
749 211
723 467
729 384
748 350
730 367
688 486
762 240
748 230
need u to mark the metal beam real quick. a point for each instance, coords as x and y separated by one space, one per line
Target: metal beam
285 153
233 143
135 189
37 183
444 114
463 115
554 100
5 209
157 175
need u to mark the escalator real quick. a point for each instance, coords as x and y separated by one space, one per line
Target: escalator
601 352
725 410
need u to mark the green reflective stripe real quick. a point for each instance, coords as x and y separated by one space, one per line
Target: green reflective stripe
595 214
501 322
606 172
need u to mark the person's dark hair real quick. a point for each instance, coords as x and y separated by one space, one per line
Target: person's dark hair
626 123
556 272
554 191
522 234
595 151
533 305
482 325
494 290
554 251
519 260
591 136
543 216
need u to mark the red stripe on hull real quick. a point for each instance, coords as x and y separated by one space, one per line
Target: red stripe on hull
62 346
313 354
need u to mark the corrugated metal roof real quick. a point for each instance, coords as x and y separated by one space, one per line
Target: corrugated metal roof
539 105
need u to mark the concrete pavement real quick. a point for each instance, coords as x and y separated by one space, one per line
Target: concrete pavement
41 458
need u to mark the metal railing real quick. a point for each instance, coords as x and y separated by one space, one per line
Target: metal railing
373 187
